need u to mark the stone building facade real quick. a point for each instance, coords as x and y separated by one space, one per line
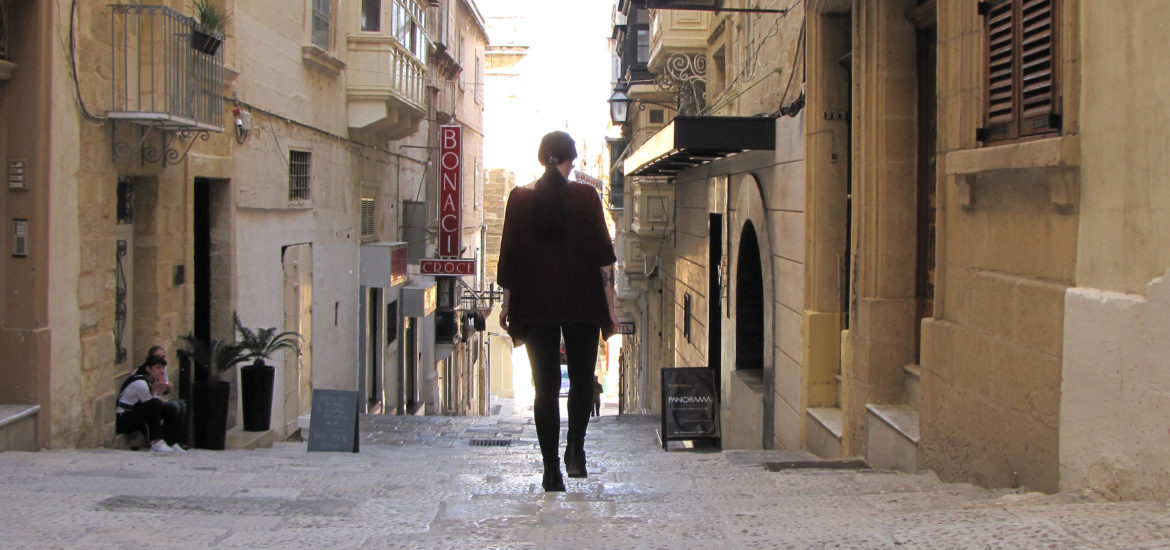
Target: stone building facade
165 189
954 235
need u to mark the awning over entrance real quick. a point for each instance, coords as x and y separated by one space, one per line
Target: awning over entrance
690 141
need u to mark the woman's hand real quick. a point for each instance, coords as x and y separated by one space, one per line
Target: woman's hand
504 319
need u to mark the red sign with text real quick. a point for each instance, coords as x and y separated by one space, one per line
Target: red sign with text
447 267
450 189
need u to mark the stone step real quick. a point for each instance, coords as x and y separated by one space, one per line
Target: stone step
892 437
237 438
825 429
18 427
913 377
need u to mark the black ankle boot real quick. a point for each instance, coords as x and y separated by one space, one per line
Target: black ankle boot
553 482
575 459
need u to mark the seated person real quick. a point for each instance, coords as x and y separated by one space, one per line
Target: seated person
141 409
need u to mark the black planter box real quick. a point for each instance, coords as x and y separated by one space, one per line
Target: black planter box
256 390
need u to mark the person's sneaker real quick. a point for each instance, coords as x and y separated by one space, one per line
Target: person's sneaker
161 446
178 448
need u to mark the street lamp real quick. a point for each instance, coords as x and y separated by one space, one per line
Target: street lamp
619 106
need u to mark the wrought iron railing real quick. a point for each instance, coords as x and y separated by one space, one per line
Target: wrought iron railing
158 75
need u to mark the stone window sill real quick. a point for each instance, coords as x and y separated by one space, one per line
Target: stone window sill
6 69
1060 154
322 59
752 378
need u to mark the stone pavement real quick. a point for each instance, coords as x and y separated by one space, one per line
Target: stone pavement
419 483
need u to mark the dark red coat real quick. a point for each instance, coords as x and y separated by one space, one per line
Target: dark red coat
555 282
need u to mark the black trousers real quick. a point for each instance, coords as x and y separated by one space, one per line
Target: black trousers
156 418
543 343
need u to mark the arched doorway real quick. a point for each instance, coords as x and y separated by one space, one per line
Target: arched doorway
749 304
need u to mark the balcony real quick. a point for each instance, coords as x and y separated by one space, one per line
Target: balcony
678 56
159 79
677 32
387 74
653 211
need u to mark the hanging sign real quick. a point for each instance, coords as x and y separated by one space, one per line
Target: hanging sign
690 404
450 189
447 267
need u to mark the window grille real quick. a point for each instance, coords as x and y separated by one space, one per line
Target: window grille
298 175
367 217
5 16
125 208
322 18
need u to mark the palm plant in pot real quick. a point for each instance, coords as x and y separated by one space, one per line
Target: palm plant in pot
256 380
210 23
211 394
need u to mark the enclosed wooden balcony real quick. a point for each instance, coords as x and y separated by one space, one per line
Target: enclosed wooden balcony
386 70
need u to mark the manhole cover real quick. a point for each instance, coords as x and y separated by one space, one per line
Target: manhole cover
490 442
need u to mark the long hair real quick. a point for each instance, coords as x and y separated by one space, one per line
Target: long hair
549 218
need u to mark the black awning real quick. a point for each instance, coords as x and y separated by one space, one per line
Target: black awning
690 141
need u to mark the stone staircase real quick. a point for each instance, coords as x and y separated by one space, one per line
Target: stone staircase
892 429
18 427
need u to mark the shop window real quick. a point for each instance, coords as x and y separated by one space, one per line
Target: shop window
1021 69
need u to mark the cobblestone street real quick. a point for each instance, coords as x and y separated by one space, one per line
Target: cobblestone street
418 482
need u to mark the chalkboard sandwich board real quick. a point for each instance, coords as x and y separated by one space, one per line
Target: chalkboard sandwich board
690 405
333 424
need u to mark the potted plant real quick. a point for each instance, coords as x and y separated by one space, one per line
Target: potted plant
210 23
211 394
256 380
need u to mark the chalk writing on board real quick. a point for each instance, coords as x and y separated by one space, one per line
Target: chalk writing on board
333 423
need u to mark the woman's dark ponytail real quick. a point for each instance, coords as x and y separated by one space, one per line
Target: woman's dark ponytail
549 218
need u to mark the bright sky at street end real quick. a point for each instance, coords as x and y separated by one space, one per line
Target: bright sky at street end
562 83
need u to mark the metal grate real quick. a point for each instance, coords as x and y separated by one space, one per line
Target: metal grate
367 217
491 442
299 164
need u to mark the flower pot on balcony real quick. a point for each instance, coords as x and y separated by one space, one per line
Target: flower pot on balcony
204 42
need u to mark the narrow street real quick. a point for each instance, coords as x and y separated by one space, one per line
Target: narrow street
418 482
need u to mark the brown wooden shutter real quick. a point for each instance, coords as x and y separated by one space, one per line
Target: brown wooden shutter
1000 115
1038 92
1022 95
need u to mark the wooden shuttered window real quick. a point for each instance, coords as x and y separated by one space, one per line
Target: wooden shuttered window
1022 92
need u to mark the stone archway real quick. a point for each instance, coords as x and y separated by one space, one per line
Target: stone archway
748 392
749 305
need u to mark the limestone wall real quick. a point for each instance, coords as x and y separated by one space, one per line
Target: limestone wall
1125 208
1115 395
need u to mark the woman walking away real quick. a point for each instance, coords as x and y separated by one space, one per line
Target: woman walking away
556 268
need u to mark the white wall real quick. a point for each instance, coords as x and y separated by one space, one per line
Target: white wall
1115 394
